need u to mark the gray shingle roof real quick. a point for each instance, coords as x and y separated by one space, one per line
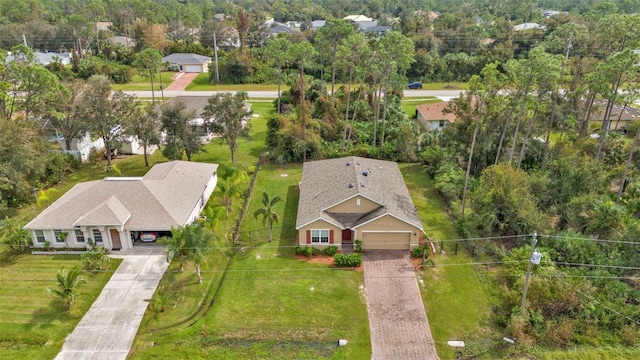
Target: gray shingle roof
326 183
163 198
186 58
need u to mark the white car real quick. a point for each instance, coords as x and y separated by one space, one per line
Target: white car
148 236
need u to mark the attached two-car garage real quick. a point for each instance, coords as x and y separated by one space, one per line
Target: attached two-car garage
386 240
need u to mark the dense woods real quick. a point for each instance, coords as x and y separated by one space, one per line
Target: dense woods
533 149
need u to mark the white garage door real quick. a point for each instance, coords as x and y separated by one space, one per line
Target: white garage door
386 240
193 69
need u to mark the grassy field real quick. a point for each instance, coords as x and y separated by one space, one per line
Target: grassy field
408 104
33 323
141 83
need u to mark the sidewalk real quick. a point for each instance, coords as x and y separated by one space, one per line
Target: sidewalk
107 330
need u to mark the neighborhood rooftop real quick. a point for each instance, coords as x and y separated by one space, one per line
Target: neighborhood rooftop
326 183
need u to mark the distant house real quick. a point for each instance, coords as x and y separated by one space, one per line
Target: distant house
123 40
196 104
187 62
276 28
112 211
362 22
103 26
46 58
621 116
377 31
317 24
82 147
354 198
528 26
433 117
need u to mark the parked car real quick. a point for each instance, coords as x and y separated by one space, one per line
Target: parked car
415 85
148 236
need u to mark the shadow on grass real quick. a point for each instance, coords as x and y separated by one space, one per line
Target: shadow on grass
288 229
8 257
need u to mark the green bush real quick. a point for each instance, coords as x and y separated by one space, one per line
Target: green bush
417 252
351 260
357 246
297 250
331 250
96 259
310 251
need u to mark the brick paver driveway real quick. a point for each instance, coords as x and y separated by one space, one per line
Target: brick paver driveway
397 319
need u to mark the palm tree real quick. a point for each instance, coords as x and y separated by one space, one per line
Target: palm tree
268 215
14 235
230 189
68 284
176 246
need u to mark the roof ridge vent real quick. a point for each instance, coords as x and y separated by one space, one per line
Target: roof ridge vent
348 163
365 173
351 185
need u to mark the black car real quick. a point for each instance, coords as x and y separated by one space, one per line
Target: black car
415 85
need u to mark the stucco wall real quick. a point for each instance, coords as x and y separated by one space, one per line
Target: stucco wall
319 224
350 206
389 223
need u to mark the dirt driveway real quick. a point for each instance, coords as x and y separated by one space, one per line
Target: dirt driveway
397 319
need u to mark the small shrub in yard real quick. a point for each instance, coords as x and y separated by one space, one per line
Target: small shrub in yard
351 260
96 259
310 251
357 247
297 250
331 250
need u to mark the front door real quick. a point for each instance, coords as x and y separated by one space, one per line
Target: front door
115 240
346 235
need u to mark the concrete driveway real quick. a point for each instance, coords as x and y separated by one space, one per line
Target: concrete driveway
107 330
397 319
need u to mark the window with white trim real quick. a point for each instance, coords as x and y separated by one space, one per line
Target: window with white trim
79 235
40 236
442 123
320 236
97 235
56 234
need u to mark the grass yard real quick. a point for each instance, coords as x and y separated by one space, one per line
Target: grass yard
201 83
408 104
455 293
33 323
270 305
142 83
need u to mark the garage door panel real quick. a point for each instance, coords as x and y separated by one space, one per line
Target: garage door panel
193 68
386 240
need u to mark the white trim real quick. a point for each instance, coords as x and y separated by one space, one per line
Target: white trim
393 216
339 226
320 242
386 231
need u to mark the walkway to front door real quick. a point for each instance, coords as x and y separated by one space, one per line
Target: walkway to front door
397 319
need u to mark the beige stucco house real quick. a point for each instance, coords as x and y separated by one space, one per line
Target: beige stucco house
354 198
111 211
187 62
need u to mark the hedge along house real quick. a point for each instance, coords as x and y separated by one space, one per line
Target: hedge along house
353 198
111 211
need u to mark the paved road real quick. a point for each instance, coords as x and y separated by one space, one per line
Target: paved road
397 319
107 330
442 94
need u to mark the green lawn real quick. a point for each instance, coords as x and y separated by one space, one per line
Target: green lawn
201 83
142 83
455 295
408 104
33 323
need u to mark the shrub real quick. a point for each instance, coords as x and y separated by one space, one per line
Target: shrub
351 260
331 250
310 251
357 246
417 252
297 250
96 259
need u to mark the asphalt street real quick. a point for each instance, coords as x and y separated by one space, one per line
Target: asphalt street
442 94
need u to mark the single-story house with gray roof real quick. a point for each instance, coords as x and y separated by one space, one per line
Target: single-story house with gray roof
187 62
112 210
354 198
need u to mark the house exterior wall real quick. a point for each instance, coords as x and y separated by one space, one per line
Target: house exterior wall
432 125
81 148
320 225
390 223
202 202
350 206
49 235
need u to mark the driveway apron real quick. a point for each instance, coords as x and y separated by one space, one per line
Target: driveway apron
397 319
107 330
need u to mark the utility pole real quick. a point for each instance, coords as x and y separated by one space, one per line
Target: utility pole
215 54
535 259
